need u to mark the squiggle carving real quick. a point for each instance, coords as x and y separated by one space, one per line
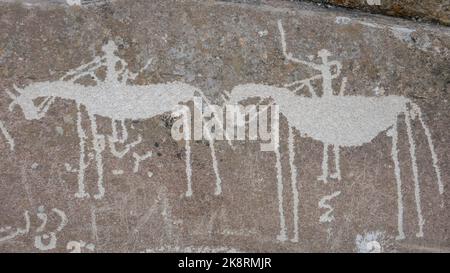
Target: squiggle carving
43 240
323 204
50 237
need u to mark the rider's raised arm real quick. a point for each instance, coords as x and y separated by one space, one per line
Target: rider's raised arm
289 56
84 69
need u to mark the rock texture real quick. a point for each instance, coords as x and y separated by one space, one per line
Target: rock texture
430 10
217 46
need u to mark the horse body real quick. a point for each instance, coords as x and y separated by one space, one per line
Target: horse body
338 120
115 101
343 120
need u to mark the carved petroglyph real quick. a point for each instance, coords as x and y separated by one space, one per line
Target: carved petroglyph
327 75
183 113
115 138
373 2
340 121
160 208
117 172
336 120
78 246
323 204
43 238
46 240
295 193
7 136
112 98
73 2
11 234
370 242
205 124
139 158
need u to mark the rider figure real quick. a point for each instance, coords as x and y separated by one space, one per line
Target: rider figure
326 70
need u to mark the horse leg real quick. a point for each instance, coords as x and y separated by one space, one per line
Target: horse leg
114 136
99 145
82 164
218 190
394 153
293 183
124 134
324 175
187 138
44 106
431 146
188 169
337 172
282 236
412 152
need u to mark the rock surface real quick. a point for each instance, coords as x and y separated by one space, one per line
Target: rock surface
48 123
431 10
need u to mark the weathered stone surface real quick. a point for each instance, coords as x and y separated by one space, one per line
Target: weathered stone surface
215 47
431 10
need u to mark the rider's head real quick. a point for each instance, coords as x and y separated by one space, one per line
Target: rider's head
324 54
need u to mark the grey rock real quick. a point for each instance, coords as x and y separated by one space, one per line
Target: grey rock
216 46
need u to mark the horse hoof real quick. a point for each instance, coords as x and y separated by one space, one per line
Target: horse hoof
99 196
82 195
323 178
282 237
335 176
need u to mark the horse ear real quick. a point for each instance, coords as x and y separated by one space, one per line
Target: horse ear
11 95
14 100
16 89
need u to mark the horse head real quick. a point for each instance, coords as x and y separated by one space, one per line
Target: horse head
26 103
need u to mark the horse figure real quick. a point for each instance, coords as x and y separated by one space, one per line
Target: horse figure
112 98
339 121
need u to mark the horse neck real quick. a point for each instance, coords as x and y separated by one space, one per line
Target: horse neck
56 89
279 95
